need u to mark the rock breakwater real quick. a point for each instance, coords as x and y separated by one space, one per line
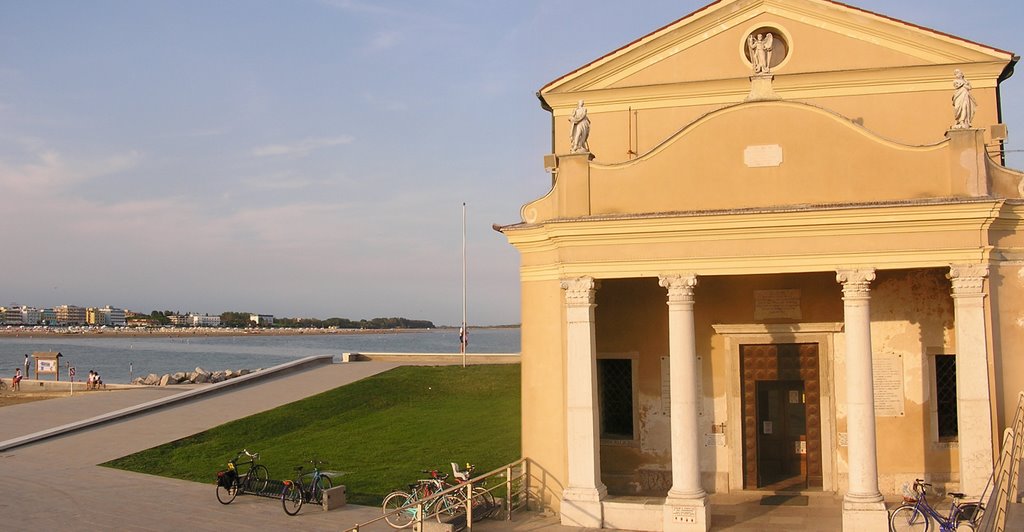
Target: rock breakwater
198 376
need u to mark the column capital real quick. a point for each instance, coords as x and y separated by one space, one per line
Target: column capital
856 282
580 291
680 286
968 279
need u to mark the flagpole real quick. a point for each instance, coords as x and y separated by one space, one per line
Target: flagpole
465 330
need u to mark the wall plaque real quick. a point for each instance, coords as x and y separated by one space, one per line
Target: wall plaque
714 439
887 370
777 304
764 156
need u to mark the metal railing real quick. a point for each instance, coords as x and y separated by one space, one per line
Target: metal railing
1006 475
516 487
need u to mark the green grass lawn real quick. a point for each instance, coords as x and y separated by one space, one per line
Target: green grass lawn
381 431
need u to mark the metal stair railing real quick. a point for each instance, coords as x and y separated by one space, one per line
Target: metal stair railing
1006 475
517 493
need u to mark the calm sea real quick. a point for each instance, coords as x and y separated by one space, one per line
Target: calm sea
118 359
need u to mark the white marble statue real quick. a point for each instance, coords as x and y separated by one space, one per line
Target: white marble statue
760 49
580 130
963 102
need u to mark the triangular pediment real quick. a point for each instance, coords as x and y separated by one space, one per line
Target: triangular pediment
817 36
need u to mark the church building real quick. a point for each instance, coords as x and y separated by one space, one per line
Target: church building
780 252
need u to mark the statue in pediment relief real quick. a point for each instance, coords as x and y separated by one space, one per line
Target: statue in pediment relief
963 102
580 130
759 48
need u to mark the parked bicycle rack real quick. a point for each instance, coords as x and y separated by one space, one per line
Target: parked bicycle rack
271 489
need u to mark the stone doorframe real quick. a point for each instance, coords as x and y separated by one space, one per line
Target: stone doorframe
739 334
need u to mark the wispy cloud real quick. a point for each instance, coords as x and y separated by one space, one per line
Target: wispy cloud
362 7
301 148
384 40
386 104
284 181
49 171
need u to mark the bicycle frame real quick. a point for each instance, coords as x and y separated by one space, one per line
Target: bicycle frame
946 523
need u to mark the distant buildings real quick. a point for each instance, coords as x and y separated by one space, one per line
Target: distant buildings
70 315
262 319
205 320
109 316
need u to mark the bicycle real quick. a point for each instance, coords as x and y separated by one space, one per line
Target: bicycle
483 502
440 507
916 514
296 492
230 484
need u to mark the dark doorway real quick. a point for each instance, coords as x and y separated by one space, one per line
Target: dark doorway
781 416
781 435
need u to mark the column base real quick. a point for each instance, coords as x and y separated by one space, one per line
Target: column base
864 516
689 515
582 507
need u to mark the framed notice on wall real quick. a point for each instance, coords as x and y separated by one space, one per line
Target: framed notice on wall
47 363
46 366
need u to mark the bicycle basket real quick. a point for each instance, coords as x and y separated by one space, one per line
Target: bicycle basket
226 478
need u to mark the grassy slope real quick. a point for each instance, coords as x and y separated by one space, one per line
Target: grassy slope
381 431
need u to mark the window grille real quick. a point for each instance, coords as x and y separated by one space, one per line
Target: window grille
615 387
945 396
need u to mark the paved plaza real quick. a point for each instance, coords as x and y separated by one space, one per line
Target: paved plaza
56 484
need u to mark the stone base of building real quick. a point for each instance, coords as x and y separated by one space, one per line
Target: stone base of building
689 515
634 514
582 507
864 516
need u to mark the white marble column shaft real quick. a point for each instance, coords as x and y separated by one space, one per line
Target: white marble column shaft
863 506
686 505
683 375
973 399
581 498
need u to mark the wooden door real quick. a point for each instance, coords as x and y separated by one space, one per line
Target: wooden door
773 363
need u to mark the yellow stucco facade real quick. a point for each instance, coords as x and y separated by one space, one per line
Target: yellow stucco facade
733 243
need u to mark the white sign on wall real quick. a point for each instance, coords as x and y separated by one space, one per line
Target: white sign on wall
887 370
763 156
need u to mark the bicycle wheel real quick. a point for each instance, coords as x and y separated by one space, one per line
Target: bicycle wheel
484 504
291 499
970 511
257 479
908 518
445 507
228 494
324 484
394 501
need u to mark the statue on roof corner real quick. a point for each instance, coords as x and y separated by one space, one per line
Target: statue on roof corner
580 130
963 102
760 49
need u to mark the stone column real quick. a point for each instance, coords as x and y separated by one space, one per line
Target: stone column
686 506
973 400
863 504
581 498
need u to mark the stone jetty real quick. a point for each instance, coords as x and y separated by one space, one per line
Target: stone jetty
198 376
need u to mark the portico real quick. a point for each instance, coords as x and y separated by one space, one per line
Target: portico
750 300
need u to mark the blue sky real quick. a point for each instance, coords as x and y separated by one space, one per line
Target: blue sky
306 158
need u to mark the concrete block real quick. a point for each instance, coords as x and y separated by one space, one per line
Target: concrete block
432 525
334 498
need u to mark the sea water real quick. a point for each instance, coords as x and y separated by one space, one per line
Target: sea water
118 359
